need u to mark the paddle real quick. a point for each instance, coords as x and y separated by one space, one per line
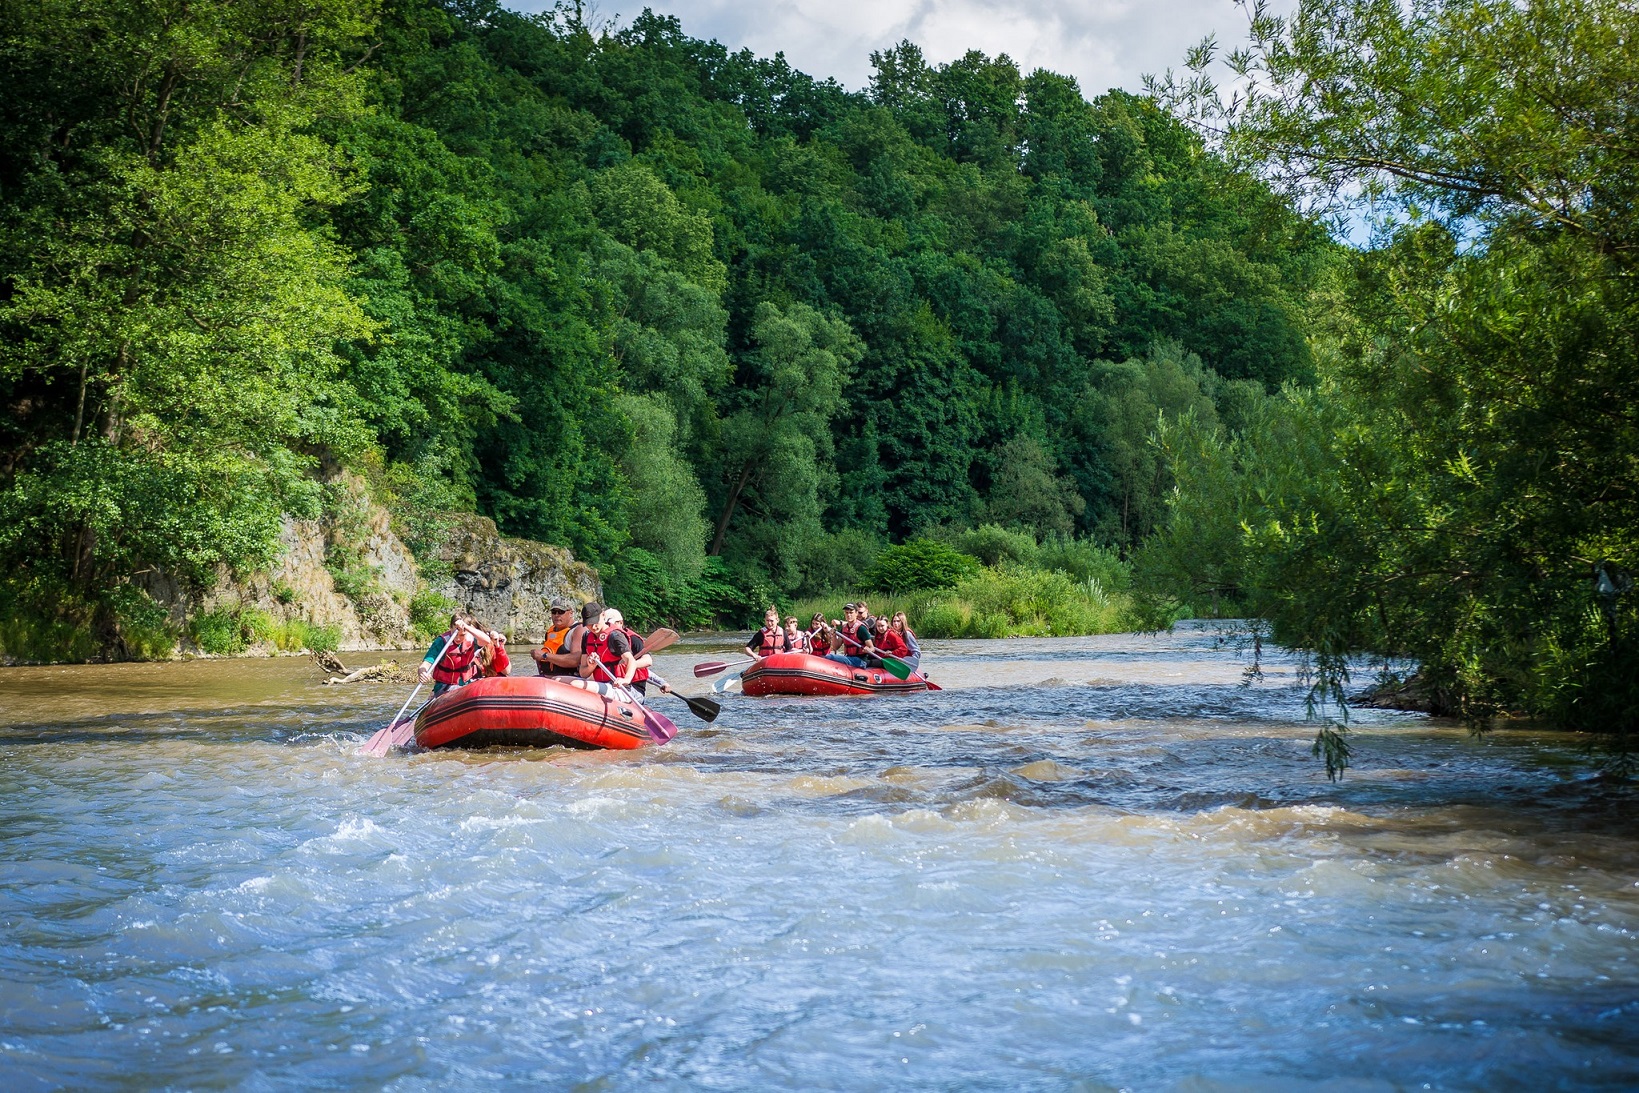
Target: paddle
660 727
704 708
709 668
896 667
391 736
660 639
727 683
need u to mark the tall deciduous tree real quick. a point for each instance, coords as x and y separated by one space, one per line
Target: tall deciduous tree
1471 494
777 446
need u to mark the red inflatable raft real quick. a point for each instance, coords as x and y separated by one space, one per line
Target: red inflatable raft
539 712
803 674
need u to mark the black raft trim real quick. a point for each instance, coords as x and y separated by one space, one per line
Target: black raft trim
527 704
823 677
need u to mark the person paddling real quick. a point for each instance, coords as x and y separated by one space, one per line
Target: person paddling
819 635
886 642
913 651
770 639
796 640
611 653
493 658
849 639
458 666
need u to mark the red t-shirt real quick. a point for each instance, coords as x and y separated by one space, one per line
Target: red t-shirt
891 644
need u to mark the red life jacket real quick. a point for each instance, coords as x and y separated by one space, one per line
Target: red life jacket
776 644
819 642
893 644
598 646
851 631
459 664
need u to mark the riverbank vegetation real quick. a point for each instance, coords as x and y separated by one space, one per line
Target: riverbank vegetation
737 336
717 326
1461 486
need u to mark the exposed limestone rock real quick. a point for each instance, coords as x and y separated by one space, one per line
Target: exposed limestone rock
507 583
504 583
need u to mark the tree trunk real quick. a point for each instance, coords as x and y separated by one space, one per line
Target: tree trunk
79 414
728 510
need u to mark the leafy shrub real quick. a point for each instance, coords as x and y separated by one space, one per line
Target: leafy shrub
43 621
218 632
320 639
1086 560
430 612
723 595
1015 601
919 564
994 545
144 626
835 560
258 626
282 593
352 577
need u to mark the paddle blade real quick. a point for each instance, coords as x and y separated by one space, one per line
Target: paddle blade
710 667
397 735
660 639
727 683
376 747
896 667
661 729
705 709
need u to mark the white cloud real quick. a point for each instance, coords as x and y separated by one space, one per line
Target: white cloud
1102 43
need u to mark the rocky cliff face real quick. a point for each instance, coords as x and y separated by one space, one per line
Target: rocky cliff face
352 574
507 583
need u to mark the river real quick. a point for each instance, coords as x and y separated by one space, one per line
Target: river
1090 863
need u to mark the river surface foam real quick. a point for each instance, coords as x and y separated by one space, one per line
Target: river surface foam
1087 863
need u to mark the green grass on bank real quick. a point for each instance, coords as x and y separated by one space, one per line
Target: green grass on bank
996 602
230 633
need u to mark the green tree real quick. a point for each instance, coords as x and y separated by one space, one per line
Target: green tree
777 447
1465 493
170 311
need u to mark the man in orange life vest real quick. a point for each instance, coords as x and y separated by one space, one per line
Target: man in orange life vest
560 651
458 666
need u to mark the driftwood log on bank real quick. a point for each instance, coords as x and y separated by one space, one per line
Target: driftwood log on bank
1413 694
386 672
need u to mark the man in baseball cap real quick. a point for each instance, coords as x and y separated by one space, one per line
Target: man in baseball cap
559 654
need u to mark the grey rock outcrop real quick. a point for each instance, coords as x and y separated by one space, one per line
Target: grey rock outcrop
507 583
504 583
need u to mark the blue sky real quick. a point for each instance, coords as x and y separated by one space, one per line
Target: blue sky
1102 43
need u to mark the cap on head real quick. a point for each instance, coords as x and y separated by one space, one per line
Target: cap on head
613 615
591 612
561 604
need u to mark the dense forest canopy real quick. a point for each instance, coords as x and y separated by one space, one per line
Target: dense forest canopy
689 312
727 330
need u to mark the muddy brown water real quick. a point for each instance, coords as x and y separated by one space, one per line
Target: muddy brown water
1087 863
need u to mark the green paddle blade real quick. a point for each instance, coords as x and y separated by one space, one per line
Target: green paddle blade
896 667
